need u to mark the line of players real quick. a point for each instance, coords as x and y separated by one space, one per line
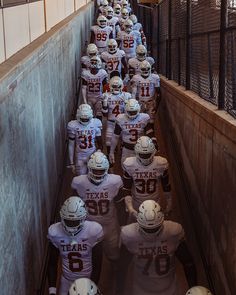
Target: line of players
120 87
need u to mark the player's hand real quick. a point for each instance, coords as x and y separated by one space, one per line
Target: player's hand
134 213
112 158
72 167
105 100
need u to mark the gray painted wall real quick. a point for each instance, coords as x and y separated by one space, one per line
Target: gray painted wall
205 139
37 96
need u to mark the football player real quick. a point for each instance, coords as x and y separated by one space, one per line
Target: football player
129 39
134 62
142 174
138 26
102 8
114 59
112 21
93 82
100 190
101 33
130 126
117 10
153 243
113 104
83 133
92 50
198 290
78 242
84 286
124 16
146 87
125 4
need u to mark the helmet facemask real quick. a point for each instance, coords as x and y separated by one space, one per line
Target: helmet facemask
145 150
112 46
132 108
150 218
73 215
98 166
84 114
145 69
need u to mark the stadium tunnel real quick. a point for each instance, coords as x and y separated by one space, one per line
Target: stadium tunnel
192 42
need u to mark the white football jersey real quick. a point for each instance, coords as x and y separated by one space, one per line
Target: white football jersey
129 42
76 251
101 35
84 135
114 24
99 199
135 63
94 82
145 179
131 130
146 87
113 61
116 104
85 60
154 258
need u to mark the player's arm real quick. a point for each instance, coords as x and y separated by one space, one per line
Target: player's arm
99 143
166 187
104 64
84 90
139 39
92 37
185 257
128 182
105 104
52 268
134 89
131 71
124 64
114 142
118 39
96 262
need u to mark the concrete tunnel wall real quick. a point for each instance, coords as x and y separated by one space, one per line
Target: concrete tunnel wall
37 97
205 140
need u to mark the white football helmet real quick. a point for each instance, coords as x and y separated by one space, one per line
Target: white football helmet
95 62
92 50
199 290
102 21
150 218
145 150
98 166
84 286
145 69
116 85
141 52
84 114
73 215
125 13
124 4
112 46
109 12
117 9
128 26
134 19
105 3
132 108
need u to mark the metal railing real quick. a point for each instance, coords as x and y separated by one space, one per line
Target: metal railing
194 42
